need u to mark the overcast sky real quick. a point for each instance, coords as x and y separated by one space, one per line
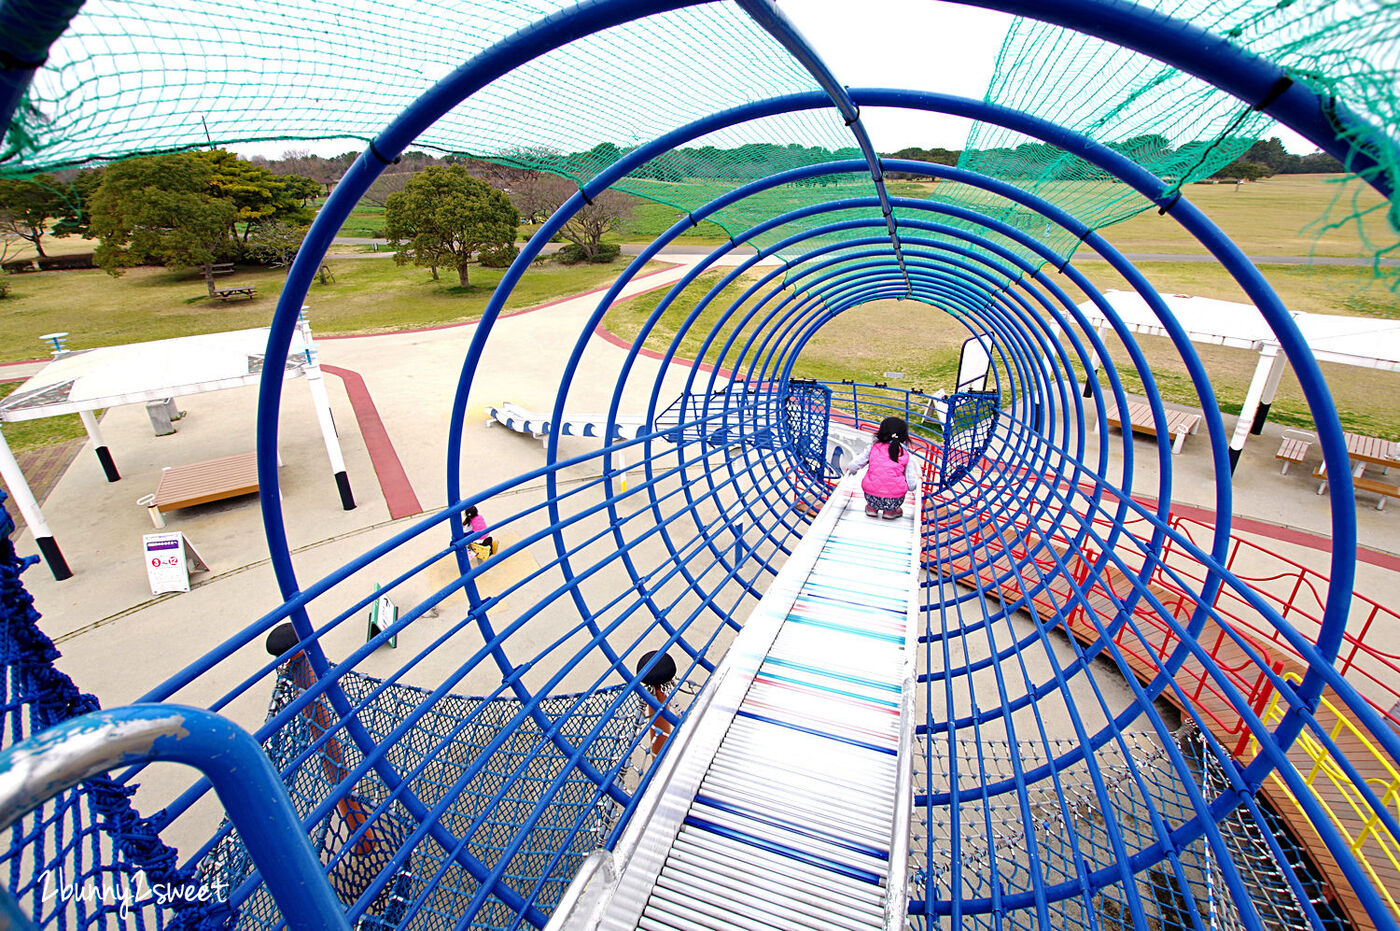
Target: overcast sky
920 44
917 44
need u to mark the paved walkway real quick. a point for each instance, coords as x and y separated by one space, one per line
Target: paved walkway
42 468
391 395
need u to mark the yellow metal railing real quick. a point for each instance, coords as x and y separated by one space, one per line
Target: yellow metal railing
1350 813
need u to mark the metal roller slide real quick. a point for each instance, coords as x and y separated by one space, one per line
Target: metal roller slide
784 800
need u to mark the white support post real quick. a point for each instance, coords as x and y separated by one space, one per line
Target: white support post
1270 392
104 456
316 383
1094 360
1262 370
321 402
24 499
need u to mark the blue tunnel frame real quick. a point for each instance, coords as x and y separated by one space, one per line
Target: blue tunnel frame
1295 102
989 288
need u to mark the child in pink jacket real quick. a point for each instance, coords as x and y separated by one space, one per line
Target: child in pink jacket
473 522
889 473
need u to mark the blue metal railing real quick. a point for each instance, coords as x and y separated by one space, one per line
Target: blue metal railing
40 767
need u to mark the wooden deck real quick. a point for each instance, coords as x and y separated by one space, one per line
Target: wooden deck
1142 653
202 482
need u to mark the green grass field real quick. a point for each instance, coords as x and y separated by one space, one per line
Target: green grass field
1277 217
923 343
368 295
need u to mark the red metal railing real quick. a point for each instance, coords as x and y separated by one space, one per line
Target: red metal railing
1297 592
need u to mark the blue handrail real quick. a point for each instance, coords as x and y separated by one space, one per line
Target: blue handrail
38 768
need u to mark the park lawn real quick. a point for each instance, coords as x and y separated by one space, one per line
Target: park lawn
365 221
46 431
1274 217
626 318
923 344
367 295
649 220
1314 289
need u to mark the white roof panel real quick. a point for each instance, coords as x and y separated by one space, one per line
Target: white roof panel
92 379
1363 341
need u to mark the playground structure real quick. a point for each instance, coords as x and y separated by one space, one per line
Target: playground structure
1101 715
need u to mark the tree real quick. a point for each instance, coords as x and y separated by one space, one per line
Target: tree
160 208
258 195
444 216
26 206
76 216
1269 153
276 243
1241 170
537 194
9 244
387 184
585 229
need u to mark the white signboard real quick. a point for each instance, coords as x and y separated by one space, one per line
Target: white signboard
974 365
170 559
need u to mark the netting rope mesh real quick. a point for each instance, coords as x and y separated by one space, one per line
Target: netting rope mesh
1115 729
366 834
130 78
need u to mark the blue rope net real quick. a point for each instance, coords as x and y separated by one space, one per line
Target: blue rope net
971 422
85 858
366 839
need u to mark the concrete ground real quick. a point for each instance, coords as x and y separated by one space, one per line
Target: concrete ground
118 640
106 609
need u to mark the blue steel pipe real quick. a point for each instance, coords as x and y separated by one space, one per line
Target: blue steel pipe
40 767
457 444
767 15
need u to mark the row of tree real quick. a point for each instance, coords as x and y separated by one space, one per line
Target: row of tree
184 210
196 208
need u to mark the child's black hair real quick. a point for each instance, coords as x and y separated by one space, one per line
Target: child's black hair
469 514
893 430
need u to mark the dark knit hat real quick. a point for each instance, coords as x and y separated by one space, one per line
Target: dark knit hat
663 672
282 638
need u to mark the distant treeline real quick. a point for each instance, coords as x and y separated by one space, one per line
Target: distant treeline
750 162
1263 158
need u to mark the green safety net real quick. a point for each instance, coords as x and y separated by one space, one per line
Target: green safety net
1178 126
132 76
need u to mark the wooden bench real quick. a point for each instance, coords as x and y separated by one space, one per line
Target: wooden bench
1140 420
202 482
1362 483
1294 448
225 294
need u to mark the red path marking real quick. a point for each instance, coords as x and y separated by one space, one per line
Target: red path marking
393 480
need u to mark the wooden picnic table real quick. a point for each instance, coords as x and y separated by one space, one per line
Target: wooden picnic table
1362 450
1140 420
1371 449
202 482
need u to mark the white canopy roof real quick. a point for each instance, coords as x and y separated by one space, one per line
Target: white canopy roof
1363 341
92 379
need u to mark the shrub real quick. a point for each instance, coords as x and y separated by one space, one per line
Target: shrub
56 262
573 254
497 258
